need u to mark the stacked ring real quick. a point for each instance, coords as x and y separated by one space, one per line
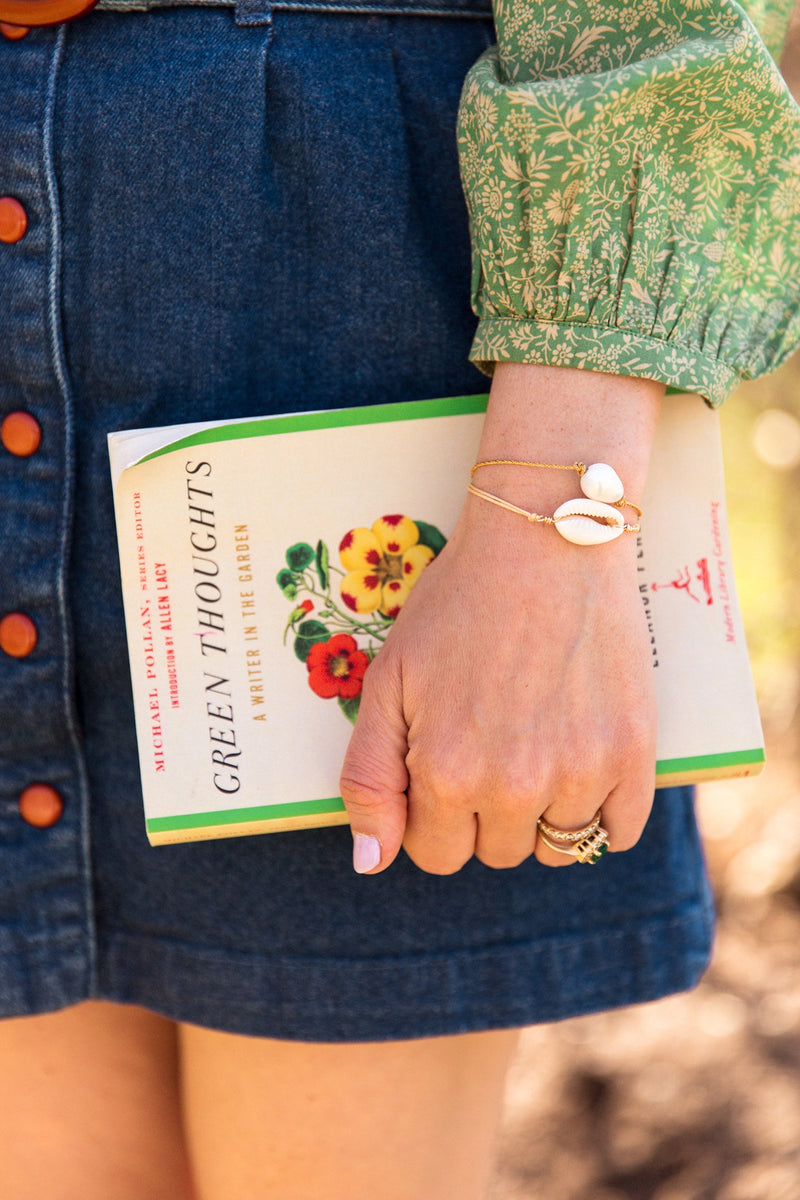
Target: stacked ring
588 845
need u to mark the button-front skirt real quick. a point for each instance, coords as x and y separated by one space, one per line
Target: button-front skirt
232 212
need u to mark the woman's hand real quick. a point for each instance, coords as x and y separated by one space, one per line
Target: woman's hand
517 680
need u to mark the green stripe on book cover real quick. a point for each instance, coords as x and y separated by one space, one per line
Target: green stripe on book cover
709 762
369 414
237 816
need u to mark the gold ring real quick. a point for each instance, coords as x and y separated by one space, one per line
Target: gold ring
570 835
589 850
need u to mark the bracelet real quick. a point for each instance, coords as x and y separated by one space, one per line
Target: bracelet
586 522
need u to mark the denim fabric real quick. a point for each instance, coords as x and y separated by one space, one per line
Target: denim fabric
232 211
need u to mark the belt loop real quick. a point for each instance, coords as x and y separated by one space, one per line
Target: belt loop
254 12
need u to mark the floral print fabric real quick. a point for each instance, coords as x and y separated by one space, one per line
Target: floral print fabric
632 173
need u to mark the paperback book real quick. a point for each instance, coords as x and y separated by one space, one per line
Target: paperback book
263 562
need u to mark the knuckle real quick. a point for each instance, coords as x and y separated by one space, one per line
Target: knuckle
516 785
636 740
362 800
358 794
442 776
579 787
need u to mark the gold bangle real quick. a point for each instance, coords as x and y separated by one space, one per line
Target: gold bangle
583 522
513 462
598 482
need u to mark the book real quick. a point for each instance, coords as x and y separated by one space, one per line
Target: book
250 625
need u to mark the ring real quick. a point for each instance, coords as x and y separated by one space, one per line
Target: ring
588 845
570 835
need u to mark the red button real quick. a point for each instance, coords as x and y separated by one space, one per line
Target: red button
18 635
21 434
43 12
13 32
41 805
13 219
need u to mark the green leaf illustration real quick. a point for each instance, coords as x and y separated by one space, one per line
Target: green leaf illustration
350 707
430 536
309 632
299 556
323 559
286 582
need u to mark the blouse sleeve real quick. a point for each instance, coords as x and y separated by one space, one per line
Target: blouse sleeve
632 173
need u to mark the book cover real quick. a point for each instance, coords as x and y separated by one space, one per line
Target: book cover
251 621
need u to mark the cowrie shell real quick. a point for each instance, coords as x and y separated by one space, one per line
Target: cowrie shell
588 522
601 482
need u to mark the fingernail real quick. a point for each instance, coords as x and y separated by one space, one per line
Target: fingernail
366 852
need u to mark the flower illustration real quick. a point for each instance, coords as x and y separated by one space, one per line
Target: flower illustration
336 667
382 563
337 640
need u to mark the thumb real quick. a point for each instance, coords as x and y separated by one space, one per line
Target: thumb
374 777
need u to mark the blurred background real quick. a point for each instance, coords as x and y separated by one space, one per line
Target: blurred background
697 1097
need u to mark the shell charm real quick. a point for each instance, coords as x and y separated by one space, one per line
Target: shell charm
601 482
588 522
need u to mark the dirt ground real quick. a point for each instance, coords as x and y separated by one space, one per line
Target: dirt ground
696 1097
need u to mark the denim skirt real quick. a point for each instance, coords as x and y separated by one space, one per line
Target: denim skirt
218 211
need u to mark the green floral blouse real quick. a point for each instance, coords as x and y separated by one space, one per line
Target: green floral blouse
632 172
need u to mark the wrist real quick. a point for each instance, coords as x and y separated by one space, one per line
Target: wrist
563 415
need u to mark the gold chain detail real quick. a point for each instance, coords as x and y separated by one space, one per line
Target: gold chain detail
580 467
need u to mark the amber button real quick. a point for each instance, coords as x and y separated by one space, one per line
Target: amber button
13 32
41 805
18 635
21 434
13 219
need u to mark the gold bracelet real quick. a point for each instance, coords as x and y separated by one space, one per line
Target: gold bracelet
583 522
598 482
586 522
513 462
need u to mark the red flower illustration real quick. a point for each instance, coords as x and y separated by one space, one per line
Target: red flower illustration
336 667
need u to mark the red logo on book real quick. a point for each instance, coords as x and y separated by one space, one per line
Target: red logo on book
694 582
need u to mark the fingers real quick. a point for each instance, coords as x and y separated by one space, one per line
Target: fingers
433 817
445 789
623 810
442 821
374 777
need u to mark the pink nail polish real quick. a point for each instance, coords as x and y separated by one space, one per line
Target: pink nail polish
366 852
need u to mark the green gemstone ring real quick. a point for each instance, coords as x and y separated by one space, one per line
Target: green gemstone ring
588 850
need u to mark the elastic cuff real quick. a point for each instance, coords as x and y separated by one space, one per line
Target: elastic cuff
600 348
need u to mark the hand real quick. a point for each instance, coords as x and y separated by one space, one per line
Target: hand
516 682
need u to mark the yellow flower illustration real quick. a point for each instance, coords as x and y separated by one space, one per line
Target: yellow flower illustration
382 564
